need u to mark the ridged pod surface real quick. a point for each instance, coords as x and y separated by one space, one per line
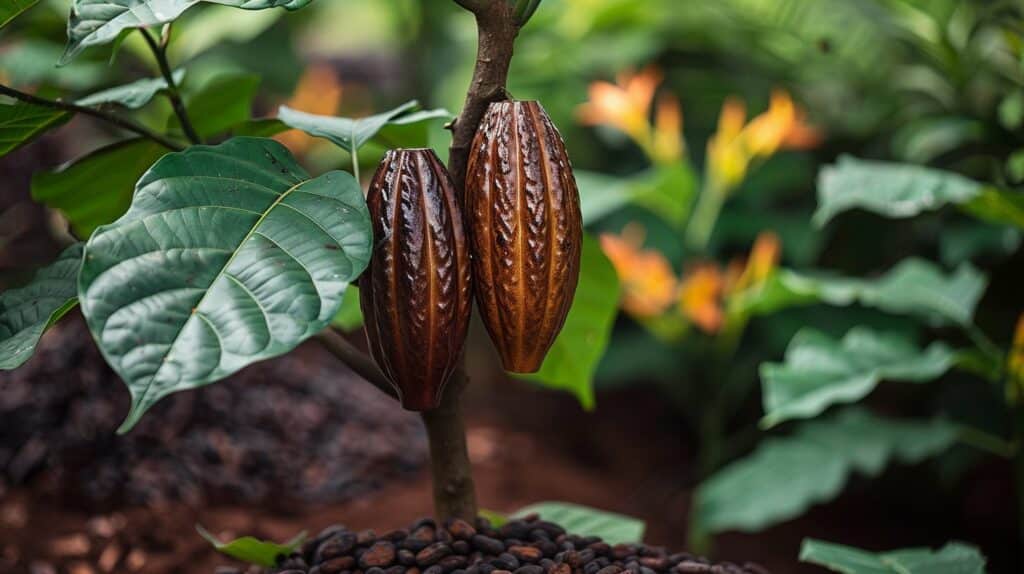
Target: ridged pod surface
416 293
523 214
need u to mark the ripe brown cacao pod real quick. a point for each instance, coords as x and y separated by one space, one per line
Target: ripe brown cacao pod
523 214
416 292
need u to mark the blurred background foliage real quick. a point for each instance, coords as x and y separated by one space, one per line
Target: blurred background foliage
698 130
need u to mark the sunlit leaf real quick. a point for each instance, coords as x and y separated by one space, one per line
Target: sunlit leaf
351 134
97 189
27 311
20 123
350 316
998 206
787 475
132 96
820 372
229 254
914 286
889 189
666 191
222 103
253 550
953 558
97 22
9 9
572 360
584 521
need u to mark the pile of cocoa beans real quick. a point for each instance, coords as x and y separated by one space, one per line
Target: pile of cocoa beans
525 546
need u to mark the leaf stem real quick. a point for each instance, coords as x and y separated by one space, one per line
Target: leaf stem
705 215
987 442
121 122
355 164
358 361
160 52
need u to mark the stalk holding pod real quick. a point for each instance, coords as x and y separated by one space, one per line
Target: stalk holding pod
416 293
523 213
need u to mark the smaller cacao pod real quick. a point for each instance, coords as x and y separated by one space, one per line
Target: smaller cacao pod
416 293
523 215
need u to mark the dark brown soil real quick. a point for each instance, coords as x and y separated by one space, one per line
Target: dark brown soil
297 429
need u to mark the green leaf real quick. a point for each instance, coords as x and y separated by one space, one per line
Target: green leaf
953 558
98 22
259 127
9 9
132 96
351 134
350 316
889 189
26 312
229 254
666 191
787 475
913 287
584 521
253 550
573 358
820 372
998 206
21 123
496 519
410 130
222 103
97 189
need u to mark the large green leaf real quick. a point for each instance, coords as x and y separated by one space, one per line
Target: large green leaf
953 558
905 190
584 521
97 189
914 286
253 550
573 358
889 189
97 22
222 103
26 312
351 134
228 255
787 475
9 9
132 96
820 372
21 123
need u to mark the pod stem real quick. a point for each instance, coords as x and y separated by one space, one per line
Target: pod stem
497 29
451 471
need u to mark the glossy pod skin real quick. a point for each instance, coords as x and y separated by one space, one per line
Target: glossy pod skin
416 293
523 215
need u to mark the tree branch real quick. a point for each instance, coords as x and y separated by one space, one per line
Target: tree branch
123 123
160 52
496 34
356 360
450 469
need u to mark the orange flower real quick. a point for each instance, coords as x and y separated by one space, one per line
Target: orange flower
668 132
625 104
735 145
700 297
762 262
318 92
648 283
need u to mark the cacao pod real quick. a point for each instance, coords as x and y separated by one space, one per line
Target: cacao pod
416 293
523 214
